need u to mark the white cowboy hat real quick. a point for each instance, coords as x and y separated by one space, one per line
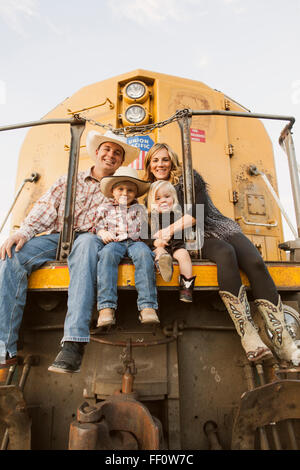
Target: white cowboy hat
123 173
94 139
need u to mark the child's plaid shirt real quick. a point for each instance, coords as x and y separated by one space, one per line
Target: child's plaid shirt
122 221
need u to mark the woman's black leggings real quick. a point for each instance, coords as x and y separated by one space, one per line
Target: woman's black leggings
233 254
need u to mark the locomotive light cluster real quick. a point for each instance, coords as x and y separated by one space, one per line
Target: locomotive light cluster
136 103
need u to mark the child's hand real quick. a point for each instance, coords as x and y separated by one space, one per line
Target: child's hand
163 234
160 243
106 236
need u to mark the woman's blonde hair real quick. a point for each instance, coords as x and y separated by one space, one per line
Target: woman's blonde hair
176 169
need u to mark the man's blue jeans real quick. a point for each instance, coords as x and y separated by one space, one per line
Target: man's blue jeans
14 273
145 280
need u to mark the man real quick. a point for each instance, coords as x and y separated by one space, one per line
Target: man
23 253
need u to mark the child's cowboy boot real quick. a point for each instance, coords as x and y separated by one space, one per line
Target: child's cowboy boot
239 311
148 315
186 288
273 316
106 317
165 266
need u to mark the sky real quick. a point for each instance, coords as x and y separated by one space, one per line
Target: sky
247 49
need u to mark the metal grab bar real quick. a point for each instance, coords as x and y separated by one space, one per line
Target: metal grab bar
255 172
287 143
33 179
247 222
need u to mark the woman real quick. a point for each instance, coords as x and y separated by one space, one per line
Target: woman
226 245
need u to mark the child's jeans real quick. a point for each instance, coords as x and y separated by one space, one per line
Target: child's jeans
107 276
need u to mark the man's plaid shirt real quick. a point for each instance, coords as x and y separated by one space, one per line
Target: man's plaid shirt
47 214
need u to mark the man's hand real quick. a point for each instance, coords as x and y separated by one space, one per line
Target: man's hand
106 236
16 239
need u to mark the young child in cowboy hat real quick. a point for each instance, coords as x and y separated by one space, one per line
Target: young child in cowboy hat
120 226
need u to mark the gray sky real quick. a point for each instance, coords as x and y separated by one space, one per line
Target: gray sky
248 49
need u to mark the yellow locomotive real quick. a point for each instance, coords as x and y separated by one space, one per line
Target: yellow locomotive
187 384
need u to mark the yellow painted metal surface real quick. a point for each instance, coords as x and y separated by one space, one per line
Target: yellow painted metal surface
229 147
57 277
252 146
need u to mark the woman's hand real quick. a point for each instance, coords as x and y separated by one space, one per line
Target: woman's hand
106 236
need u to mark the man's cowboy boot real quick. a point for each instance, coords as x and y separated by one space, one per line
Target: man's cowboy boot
239 310
273 317
68 360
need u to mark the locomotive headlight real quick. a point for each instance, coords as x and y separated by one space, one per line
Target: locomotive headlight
135 114
135 90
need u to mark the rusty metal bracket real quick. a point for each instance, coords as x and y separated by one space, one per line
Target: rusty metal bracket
210 428
121 415
129 369
121 422
13 412
267 404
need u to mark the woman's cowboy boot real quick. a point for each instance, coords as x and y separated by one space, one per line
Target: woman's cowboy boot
273 317
239 310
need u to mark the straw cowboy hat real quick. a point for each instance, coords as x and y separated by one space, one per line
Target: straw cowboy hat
94 139
124 173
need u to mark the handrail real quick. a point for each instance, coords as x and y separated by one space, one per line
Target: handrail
220 112
32 179
255 172
39 123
